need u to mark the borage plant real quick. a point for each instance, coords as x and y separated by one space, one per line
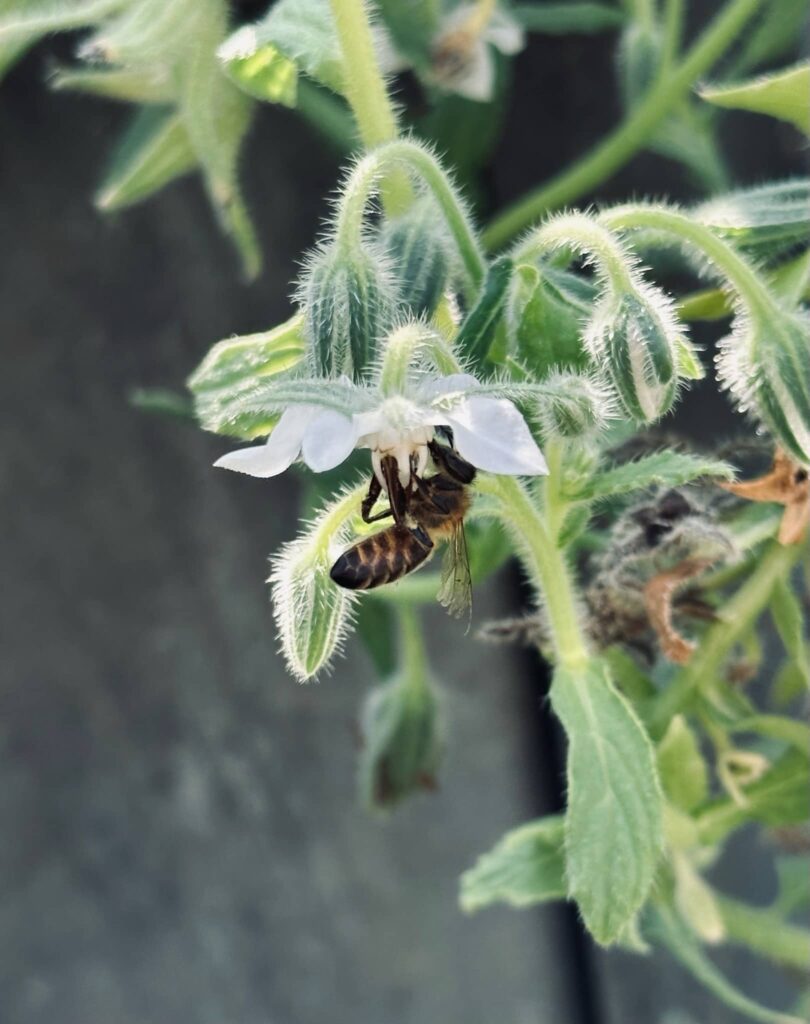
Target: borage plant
514 393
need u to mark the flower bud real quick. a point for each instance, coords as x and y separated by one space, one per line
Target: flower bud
349 303
420 256
573 404
401 735
638 57
765 363
312 615
634 337
545 310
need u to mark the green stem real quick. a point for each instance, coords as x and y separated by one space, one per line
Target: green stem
738 615
545 564
364 88
585 234
413 659
746 281
673 26
407 156
403 347
765 932
630 136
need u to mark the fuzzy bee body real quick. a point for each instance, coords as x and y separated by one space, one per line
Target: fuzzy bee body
430 510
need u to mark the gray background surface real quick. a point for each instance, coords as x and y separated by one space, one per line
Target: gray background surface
179 841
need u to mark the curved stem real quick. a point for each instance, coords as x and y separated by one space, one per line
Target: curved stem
408 156
631 135
546 565
746 281
586 235
401 350
365 90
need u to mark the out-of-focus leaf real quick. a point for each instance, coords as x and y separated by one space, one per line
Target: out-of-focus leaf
261 70
793 876
690 139
664 469
784 94
153 151
667 927
163 402
788 618
525 867
695 901
776 727
250 356
773 35
613 825
561 19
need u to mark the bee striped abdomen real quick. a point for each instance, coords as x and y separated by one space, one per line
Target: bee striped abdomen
382 558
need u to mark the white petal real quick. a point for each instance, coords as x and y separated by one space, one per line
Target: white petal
505 33
477 80
368 423
280 450
328 440
453 383
492 435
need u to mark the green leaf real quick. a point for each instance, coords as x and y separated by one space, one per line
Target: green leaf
667 927
784 94
696 901
613 825
264 58
689 365
633 683
560 19
762 218
683 771
250 356
663 469
773 35
153 151
525 867
788 618
793 875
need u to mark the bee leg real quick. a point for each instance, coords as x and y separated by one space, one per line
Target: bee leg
374 491
450 462
396 492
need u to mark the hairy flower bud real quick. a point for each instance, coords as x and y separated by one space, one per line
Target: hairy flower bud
634 336
401 736
349 303
638 58
419 252
312 615
765 363
545 310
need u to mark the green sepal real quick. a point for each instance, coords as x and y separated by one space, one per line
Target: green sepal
417 247
478 329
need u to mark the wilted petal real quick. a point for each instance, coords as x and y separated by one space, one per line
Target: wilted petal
280 450
477 81
328 439
505 33
492 435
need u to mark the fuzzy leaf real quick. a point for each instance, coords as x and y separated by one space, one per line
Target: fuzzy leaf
153 151
476 333
561 19
525 867
264 58
684 776
613 825
681 942
784 94
663 469
763 217
250 356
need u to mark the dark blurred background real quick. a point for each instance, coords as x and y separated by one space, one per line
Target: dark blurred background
179 837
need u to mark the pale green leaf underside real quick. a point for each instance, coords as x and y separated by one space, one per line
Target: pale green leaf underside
785 94
614 818
525 867
663 469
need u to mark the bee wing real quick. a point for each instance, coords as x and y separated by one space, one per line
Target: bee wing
455 592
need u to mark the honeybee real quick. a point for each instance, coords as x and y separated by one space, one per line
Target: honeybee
427 511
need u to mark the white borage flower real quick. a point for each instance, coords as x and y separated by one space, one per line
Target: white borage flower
325 420
461 51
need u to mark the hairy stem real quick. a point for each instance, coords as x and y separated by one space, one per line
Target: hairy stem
630 136
585 234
